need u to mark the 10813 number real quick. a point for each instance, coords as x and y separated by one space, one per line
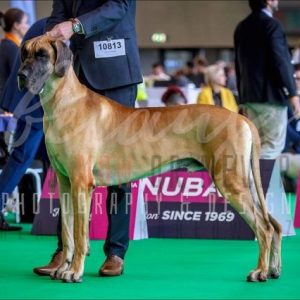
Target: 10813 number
110 46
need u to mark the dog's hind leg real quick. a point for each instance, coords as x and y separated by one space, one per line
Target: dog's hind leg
81 191
275 257
233 183
275 253
66 207
264 233
242 201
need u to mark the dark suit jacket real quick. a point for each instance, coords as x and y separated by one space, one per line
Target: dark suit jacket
263 62
21 103
102 20
8 54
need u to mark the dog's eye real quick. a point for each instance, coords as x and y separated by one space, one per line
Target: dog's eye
42 54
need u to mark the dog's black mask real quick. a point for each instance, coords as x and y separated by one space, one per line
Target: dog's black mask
40 58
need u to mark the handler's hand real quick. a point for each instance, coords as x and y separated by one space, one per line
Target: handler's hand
62 31
295 104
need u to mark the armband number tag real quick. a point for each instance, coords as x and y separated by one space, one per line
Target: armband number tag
111 48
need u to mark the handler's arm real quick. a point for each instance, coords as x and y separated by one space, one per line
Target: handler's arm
59 14
104 17
281 60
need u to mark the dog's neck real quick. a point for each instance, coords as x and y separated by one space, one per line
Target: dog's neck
53 95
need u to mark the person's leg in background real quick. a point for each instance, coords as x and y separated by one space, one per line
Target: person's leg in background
17 164
271 122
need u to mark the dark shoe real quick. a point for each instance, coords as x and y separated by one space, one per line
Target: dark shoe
113 266
55 262
4 226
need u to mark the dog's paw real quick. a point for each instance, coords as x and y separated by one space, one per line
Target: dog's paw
57 274
54 275
274 273
257 275
71 276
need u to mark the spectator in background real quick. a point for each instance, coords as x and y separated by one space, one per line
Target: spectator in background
158 72
20 103
200 66
191 73
231 78
265 83
14 23
180 78
174 96
215 92
195 70
221 63
265 75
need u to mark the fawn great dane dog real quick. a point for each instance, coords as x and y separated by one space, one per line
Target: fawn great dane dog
92 140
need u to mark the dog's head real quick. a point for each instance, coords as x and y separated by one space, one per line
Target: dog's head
42 57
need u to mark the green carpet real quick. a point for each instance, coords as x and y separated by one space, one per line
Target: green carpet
155 269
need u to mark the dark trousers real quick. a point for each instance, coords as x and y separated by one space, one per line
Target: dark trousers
117 239
28 141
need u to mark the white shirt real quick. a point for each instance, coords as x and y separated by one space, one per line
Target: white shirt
267 12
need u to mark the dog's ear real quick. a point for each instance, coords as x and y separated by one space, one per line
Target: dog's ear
23 51
63 57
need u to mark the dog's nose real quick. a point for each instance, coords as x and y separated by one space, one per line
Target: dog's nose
22 76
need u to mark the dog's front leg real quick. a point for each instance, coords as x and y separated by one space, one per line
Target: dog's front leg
81 197
66 207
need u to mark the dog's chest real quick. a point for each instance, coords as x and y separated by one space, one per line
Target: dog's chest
56 152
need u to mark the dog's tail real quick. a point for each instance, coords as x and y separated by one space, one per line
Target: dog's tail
255 166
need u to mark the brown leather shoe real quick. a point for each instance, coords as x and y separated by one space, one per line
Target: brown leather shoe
113 266
55 262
